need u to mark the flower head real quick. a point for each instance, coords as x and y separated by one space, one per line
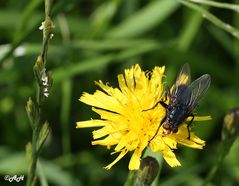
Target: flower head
125 123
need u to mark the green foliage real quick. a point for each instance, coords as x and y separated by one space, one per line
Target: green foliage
97 40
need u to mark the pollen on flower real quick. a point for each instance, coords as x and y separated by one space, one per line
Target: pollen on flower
124 123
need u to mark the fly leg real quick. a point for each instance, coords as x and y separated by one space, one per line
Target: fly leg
161 102
190 122
162 121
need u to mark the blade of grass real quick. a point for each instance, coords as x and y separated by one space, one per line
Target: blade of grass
210 17
23 21
189 31
229 6
66 90
222 38
96 62
236 42
145 19
65 111
102 17
42 176
111 44
66 72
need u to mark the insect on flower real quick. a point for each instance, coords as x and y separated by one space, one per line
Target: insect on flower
123 124
183 99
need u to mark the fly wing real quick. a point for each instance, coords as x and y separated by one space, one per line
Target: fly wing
198 88
183 93
183 80
183 77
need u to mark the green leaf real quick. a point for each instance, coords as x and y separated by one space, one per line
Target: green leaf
57 175
13 163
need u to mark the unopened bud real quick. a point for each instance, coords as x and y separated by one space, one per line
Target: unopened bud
38 68
32 112
43 135
231 124
147 172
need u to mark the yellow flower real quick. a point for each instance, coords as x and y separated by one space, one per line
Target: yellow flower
126 125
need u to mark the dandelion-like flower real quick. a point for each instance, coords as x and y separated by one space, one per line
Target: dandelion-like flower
126 125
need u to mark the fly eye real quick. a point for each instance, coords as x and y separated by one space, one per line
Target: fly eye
166 126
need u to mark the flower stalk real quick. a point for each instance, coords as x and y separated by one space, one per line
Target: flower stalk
40 129
149 168
230 132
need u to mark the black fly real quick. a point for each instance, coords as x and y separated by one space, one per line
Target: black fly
182 100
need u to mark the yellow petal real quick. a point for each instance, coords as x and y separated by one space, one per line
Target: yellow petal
108 141
202 118
129 77
191 144
141 81
157 144
129 140
122 83
91 123
170 142
107 115
102 132
196 139
114 92
101 100
171 159
156 83
121 155
134 163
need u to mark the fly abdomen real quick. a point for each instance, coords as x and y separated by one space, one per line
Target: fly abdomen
176 116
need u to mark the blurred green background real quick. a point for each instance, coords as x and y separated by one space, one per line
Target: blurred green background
97 40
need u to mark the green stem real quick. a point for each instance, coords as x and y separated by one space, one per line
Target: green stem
32 170
213 171
36 131
224 149
39 69
48 4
